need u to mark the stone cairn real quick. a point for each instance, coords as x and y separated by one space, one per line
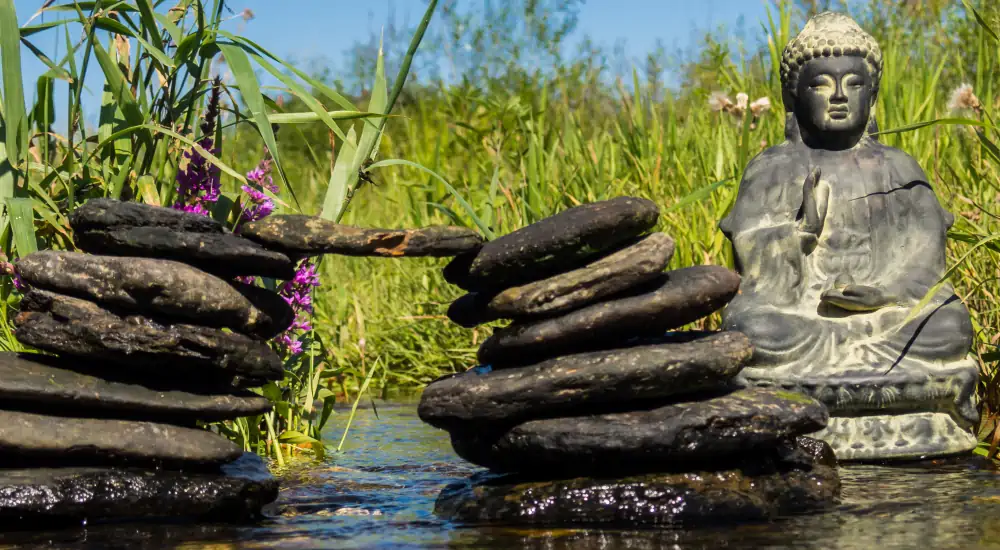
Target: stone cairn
151 333
587 409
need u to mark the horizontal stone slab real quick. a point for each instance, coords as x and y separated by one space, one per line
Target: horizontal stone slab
677 433
29 438
612 274
67 325
44 383
221 254
758 493
678 298
48 497
585 383
913 436
911 386
106 214
555 244
157 288
309 235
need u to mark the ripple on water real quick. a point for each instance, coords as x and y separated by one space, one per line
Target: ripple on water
381 492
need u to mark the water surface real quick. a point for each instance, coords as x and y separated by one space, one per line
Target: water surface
380 493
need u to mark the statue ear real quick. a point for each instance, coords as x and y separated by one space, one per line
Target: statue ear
792 132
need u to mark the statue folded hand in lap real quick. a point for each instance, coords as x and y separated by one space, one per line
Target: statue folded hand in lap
837 237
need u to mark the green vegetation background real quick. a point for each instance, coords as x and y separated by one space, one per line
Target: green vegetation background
520 130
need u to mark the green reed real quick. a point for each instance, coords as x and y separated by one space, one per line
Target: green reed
492 152
521 148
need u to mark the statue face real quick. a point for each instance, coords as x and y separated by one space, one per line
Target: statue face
834 94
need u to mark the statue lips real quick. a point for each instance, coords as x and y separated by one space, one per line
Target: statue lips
839 112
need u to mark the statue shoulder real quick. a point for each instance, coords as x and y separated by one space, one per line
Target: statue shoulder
771 187
905 168
907 173
772 167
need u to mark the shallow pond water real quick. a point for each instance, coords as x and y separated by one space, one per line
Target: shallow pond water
380 494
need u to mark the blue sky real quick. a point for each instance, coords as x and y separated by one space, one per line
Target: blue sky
314 29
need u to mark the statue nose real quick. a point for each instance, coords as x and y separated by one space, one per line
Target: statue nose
838 94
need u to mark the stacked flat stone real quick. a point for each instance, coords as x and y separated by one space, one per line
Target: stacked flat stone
151 332
590 408
149 335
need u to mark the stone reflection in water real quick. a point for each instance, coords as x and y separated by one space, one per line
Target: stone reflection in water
397 465
933 506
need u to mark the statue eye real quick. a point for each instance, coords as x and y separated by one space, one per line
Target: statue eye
819 82
855 81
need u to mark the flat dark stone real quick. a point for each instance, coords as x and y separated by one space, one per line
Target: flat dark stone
584 383
221 254
29 384
152 287
684 296
108 214
41 497
677 433
612 274
67 325
555 244
669 499
58 440
309 235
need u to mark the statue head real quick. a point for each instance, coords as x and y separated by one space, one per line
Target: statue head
830 75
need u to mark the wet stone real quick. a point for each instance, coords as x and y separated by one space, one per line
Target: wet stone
110 214
676 299
217 253
48 384
309 236
660 499
557 243
678 433
583 383
154 287
613 274
67 325
30 439
40 496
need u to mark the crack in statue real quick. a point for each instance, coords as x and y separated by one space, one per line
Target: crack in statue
837 237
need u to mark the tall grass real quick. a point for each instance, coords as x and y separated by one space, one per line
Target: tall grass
527 144
494 149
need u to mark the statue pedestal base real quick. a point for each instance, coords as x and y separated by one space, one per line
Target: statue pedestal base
896 436
914 410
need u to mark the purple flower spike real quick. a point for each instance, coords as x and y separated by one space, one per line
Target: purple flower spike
198 185
298 293
258 205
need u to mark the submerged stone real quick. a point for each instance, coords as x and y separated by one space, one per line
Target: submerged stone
30 439
613 274
664 499
309 235
670 434
583 383
149 286
40 496
554 244
218 253
683 296
49 384
110 214
67 325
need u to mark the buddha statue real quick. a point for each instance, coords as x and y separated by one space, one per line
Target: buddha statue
837 237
